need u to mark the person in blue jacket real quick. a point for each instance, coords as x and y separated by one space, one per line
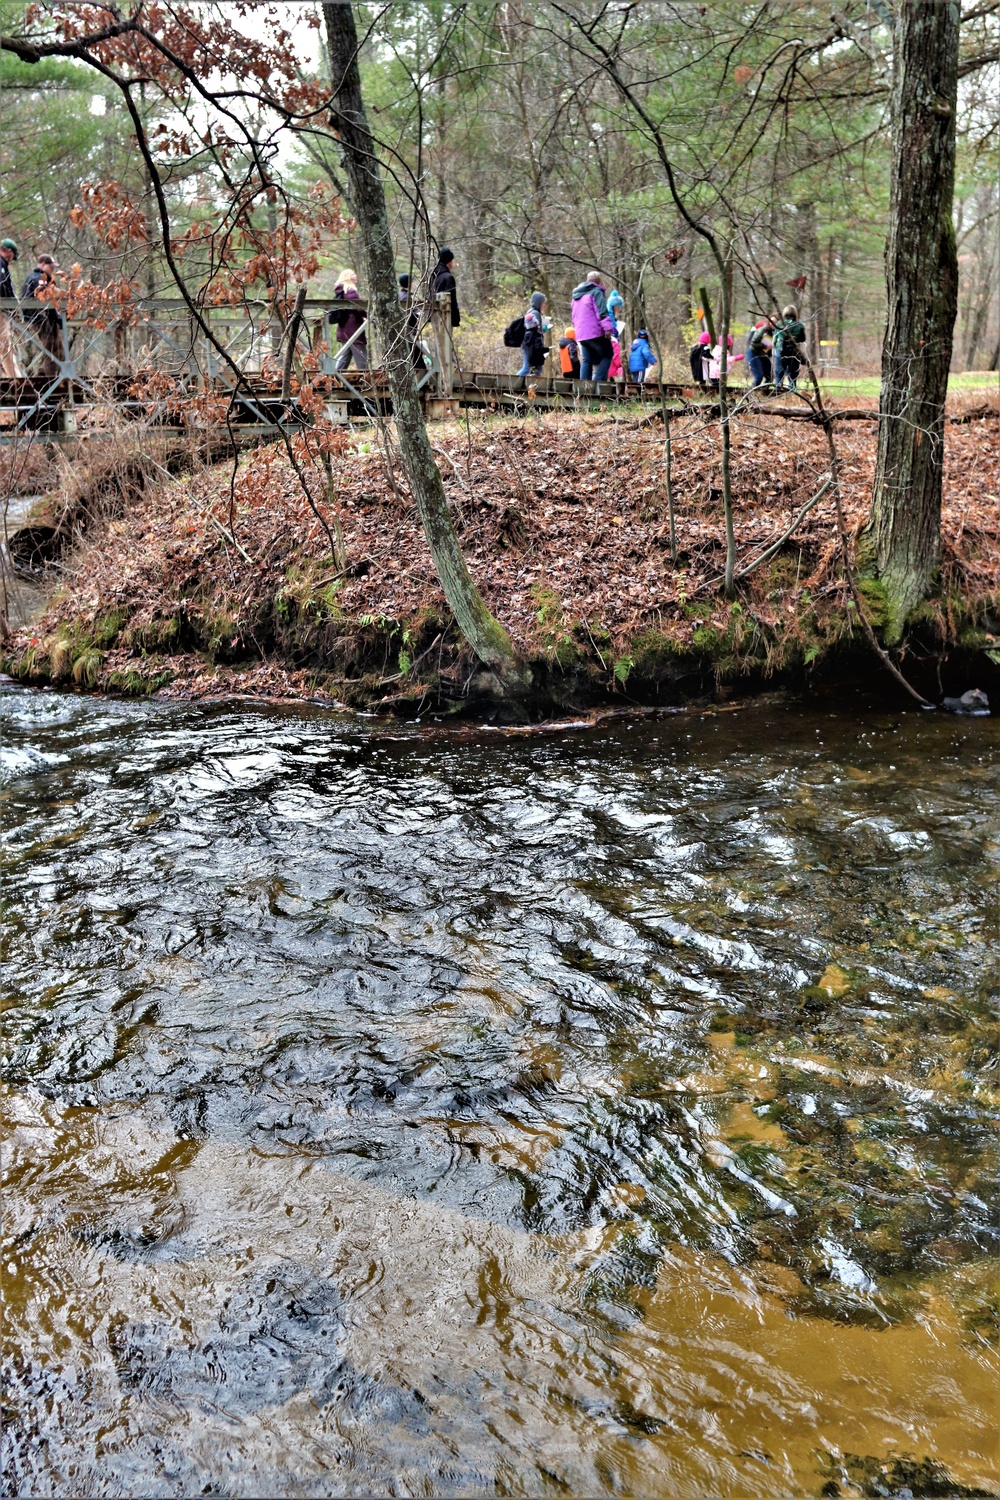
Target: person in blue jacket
640 357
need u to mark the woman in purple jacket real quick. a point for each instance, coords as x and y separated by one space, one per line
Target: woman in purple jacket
594 327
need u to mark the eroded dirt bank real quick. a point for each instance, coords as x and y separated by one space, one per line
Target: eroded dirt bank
191 578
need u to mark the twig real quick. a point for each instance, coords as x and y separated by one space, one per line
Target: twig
228 537
776 546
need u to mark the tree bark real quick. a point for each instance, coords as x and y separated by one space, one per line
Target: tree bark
903 539
484 634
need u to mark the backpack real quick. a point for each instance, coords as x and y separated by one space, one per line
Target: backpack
513 334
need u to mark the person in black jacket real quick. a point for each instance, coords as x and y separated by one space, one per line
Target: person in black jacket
43 319
443 280
412 321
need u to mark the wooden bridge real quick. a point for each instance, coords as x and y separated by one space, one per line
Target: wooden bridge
159 365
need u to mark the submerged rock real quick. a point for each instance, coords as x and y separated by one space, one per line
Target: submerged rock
974 704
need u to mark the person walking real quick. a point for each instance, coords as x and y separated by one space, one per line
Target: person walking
9 365
789 349
594 328
533 347
44 321
715 362
759 345
641 358
569 354
412 322
443 280
698 354
348 323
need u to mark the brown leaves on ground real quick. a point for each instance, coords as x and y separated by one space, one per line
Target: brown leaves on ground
563 520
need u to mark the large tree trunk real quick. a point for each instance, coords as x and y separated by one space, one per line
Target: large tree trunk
484 634
904 533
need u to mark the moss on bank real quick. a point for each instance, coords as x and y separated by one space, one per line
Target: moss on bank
195 587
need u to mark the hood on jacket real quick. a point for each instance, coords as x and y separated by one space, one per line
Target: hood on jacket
537 298
585 288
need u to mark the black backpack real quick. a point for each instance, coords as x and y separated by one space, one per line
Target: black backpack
513 334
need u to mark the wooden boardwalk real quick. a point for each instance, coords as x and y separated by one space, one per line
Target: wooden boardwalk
159 366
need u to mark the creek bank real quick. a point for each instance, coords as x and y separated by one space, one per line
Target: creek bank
214 579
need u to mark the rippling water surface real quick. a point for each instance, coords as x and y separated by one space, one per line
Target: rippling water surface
429 1113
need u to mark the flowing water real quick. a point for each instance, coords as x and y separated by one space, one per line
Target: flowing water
408 1112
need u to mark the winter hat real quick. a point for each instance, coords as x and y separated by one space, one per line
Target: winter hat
537 298
445 256
9 245
704 338
570 333
616 300
642 334
404 281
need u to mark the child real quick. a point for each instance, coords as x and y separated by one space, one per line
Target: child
533 349
697 356
789 353
759 345
715 362
569 355
641 358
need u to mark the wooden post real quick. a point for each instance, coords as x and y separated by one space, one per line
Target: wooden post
706 312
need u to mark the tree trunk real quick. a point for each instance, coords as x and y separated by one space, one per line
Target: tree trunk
484 634
904 533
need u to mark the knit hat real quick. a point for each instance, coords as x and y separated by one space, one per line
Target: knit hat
537 298
616 300
570 333
704 338
404 280
642 334
9 245
445 255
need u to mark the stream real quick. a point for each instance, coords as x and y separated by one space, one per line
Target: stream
401 1110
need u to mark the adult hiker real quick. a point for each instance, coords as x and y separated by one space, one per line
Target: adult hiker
641 358
8 353
412 321
789 349
43 320
348 323
443 280
533 346
569 354
759 345
594 328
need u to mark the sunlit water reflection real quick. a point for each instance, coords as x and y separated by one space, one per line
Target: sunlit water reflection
406 1113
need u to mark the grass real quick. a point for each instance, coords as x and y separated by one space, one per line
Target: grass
868 385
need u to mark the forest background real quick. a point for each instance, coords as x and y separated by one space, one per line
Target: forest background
502 138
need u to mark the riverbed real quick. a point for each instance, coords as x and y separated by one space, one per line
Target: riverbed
394 1110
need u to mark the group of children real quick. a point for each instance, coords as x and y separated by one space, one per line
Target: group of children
590 349
775 353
